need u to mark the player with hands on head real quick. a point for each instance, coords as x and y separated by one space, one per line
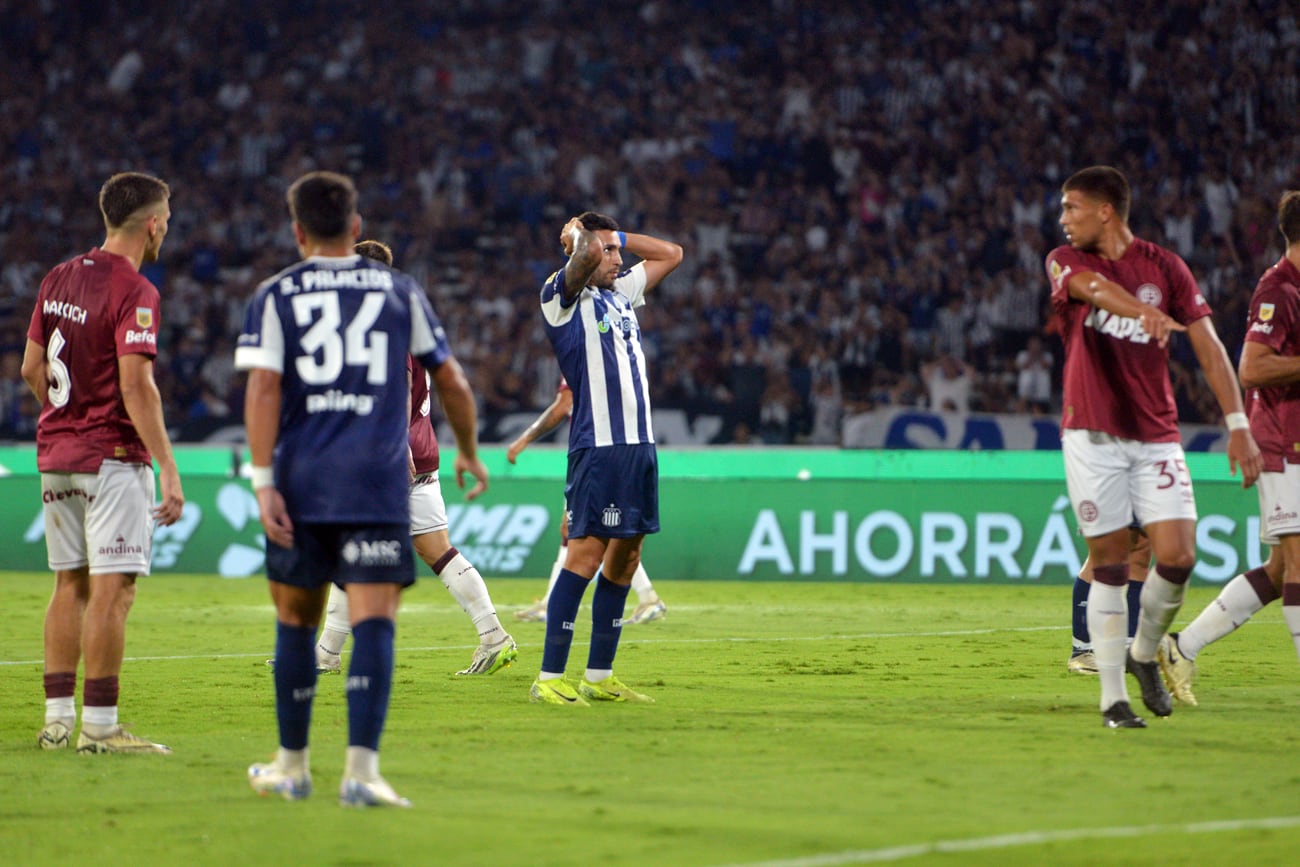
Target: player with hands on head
612 484
89 360
1120 298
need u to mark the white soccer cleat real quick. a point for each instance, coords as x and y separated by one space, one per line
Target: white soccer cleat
535 613
376 793
490 660
647 612
119 741
268 778
1178 670
328 663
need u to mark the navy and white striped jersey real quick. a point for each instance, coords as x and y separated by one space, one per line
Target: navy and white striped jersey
597 342
338 330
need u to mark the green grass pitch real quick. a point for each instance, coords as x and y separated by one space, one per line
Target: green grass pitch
797 724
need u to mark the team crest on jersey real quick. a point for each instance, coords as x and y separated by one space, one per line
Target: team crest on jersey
144 317
1265 312
1149 294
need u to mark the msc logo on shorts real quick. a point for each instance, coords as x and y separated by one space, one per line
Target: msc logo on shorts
612 516
381 552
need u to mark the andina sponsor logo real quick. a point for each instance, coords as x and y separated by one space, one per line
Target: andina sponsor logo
121 548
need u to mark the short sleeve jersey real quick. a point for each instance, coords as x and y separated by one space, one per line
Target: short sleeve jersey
1275 322
91 311
1116 377
597 341
422 438
338 330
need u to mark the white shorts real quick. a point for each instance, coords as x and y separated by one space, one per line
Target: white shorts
428 511
1279 504
104 519
1112 481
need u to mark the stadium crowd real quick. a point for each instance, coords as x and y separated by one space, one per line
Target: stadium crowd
865 191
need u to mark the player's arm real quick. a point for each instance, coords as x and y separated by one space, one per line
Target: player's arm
1242 450
144 407
1262 367
462 414
548 421
36 370
262 425
658 257
585 253
1092 288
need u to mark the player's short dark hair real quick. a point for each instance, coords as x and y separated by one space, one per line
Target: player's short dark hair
376 250
1104 183
1288 216
323 203
591 221
126 193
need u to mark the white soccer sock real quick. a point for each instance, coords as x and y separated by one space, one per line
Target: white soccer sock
558 565
337 625
641 586
98 721
466 586
362 764
1161 599
1236 603
294 761
62 709
1108 626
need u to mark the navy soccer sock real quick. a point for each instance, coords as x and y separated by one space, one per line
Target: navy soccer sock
607 605
295 682
1079 620
1134 606
561 612
370 681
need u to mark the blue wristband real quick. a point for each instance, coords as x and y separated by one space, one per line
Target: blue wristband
622 239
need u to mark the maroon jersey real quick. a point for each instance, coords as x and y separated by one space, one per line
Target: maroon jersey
1116 376
1275 322
90 311
424 442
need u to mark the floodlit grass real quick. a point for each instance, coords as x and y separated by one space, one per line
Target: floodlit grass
801 724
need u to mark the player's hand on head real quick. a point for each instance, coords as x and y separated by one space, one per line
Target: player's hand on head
566 236
474 467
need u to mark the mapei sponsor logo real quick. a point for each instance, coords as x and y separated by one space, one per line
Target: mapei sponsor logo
1119 327
338 401
143 337
379 552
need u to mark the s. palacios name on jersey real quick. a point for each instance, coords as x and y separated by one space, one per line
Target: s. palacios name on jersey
328 278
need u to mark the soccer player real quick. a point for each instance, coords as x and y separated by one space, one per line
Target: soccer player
1270 370
89 360
649 606
496 648
327 412
612 486
1082 660
1120 298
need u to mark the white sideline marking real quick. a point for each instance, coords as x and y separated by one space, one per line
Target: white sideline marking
718 639
1029 838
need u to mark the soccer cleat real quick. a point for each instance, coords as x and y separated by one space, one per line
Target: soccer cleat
1154 694
376 793
119 741
647 612
1082 662
267 778
535 613
611 689
326 662
55 736
1120 716
490 660
1179 671
558 691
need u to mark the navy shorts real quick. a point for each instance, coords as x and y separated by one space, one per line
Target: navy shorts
612 492
344 554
